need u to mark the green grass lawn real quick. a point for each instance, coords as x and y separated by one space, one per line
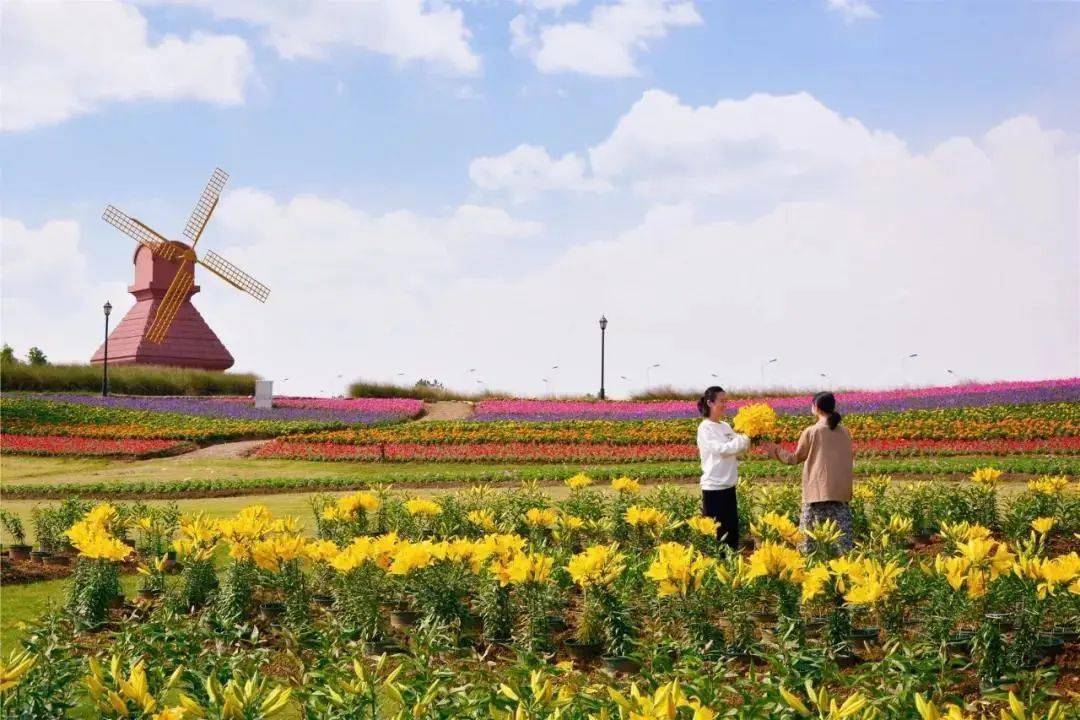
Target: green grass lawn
20 469
23 603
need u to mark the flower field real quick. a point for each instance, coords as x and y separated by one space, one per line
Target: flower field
328 410
623 452
89 447
1048 429
1011 393
622 604
199 420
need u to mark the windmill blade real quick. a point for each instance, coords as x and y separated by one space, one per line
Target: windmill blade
170 304
205 206
234 276
137 230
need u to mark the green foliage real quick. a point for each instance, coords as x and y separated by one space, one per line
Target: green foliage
123 379
7 355
94 585
51 523
36 357
14 526
232 603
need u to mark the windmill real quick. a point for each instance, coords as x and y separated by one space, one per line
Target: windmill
164 285
184 254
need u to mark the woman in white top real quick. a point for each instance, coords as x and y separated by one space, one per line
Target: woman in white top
719 446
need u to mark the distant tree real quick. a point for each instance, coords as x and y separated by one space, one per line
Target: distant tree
433 384
7 355
36 356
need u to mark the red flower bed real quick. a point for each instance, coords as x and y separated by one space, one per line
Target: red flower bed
107 447
605 452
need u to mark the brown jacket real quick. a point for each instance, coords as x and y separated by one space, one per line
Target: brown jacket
828 472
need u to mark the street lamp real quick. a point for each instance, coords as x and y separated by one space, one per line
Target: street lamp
904 364
763 364
603 332
647 374
105 365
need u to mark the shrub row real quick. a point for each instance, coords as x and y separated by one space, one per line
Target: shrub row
552 473
125 379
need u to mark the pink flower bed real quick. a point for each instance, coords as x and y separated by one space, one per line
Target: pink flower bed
865 401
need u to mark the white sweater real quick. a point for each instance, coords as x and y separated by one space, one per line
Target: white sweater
719 445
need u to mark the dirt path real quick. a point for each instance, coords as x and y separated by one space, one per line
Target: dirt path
227 450
447 410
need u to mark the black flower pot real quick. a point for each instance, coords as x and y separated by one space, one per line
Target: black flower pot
847 659
620 664
19 553
384 646
556 623
1048 645
864 638
1067 634
960 642
403 619
39 556
271 611
583 652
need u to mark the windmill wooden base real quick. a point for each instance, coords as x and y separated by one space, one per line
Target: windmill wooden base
189 343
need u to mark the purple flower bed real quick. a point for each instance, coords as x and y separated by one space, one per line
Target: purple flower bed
1004 393
345 410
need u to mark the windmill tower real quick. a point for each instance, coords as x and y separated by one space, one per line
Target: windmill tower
163 327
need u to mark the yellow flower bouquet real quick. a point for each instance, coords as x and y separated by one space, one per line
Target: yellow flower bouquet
755 420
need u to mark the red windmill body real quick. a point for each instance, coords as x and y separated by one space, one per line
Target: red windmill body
164 328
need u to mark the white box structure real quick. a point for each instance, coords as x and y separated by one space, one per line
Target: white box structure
264 394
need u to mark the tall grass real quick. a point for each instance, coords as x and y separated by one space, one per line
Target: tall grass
370 389
124 380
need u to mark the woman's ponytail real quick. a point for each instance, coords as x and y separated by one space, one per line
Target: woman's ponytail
825 402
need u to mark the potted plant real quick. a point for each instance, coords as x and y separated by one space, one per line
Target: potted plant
152 583
18 550
95 586
588 640
602 623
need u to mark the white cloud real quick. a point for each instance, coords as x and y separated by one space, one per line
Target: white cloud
62 60
406 30
555 6
48 297
528 169
606 44
853 10
765 145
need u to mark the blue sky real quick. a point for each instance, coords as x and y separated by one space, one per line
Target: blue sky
354 121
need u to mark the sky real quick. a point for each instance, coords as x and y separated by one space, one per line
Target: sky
799 194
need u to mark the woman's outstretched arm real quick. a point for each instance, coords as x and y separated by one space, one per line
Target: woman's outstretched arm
802 450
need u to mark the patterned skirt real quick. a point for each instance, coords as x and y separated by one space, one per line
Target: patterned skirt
818 512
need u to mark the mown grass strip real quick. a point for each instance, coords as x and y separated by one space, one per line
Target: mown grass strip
214 487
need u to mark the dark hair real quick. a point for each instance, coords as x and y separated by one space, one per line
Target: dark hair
826 403
709 396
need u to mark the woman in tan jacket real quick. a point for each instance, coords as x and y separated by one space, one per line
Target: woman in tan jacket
828 472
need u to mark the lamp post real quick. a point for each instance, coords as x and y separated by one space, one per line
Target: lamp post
105 365
904 368
763 364
650 367
603 332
